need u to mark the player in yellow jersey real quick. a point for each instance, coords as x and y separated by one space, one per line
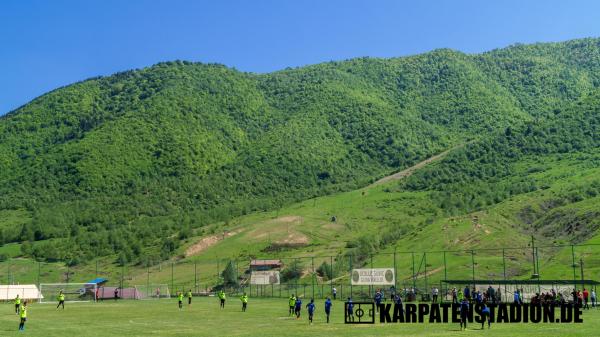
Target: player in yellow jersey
23 315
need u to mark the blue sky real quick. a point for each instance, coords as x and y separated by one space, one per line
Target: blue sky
48 44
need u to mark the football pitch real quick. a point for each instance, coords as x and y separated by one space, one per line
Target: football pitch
265 317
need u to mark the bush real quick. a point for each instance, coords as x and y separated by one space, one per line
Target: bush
292 272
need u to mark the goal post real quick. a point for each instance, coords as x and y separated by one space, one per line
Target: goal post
153 291
73 292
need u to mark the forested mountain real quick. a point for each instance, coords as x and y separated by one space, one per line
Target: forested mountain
133 162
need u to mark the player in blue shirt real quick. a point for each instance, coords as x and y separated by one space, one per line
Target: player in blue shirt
350 310
298 307
485 315
327 308
311 310
377 300
464 313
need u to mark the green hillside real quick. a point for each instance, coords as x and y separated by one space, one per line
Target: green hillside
137 166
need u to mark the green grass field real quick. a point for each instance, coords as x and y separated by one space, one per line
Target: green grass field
265 317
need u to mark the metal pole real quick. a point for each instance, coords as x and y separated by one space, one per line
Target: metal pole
331 273
503 271
473 265
425 260
413 272
172 278
395 273
581 266
537 263
574 275
533 254
350 272
96 268
370 285
195 277
445 267
148 281
445 275
313 276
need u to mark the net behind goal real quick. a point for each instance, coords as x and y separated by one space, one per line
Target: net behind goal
153 291
72 291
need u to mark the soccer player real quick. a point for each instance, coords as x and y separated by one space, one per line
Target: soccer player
17 304
222 298
593 297
292 304
517 297
586 296
298 307
486 315
311 310
23 314
116 293
244 300
189 296
327 308
467 292
350 310
61 300
334 293
180 299
377 300
464 313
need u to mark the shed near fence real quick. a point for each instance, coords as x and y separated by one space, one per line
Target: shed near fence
25 292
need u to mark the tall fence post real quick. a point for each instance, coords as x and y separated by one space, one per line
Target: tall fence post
313 276
503 271
350 272
195 277
425 264
574 275
370 285
172 278
395 272
331 274
413 272
148 280
473 265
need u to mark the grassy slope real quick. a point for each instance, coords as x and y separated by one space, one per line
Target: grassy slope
375 208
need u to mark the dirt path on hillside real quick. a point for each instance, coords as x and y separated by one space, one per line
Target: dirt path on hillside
407 172
208 242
